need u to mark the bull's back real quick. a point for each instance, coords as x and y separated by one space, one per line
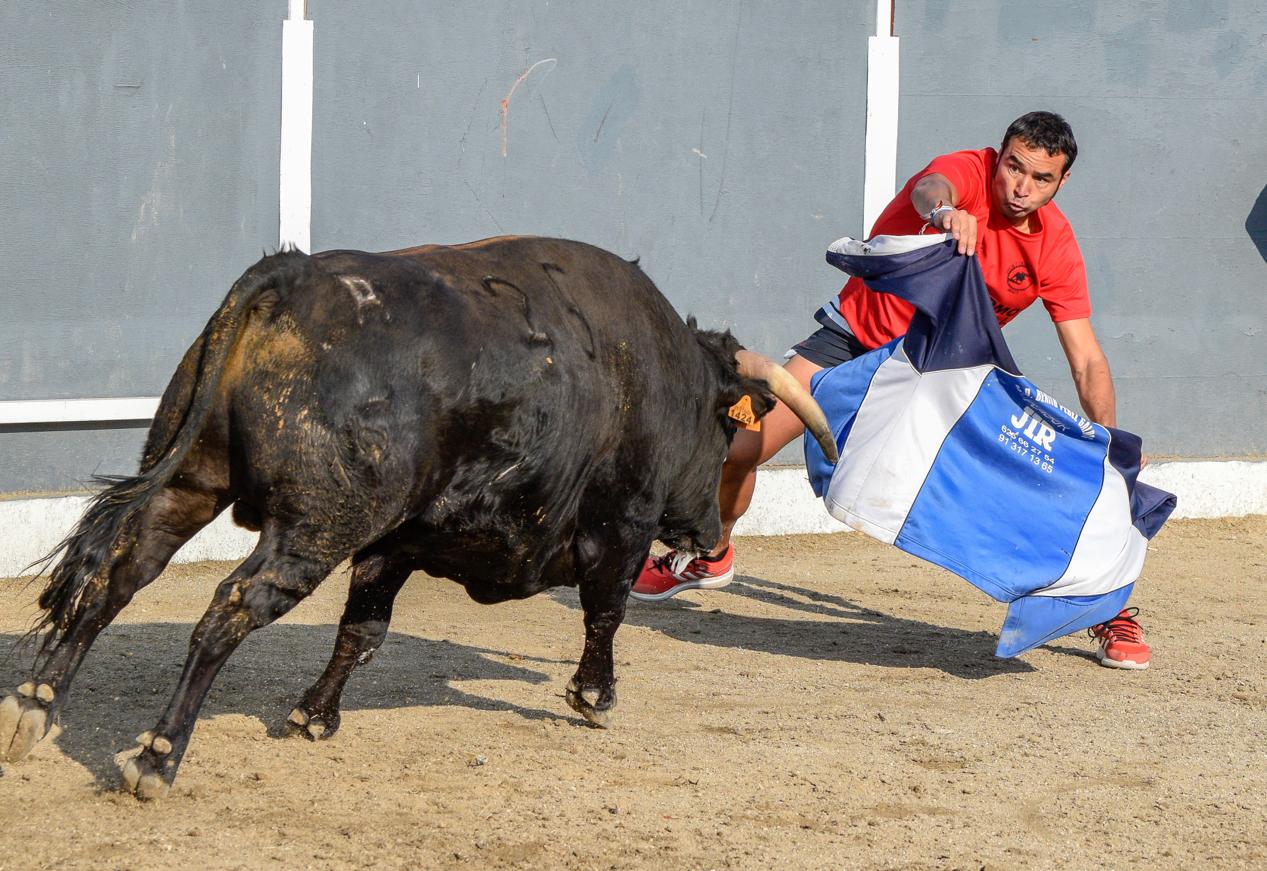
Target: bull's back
560 276
545 343
528 319
605 307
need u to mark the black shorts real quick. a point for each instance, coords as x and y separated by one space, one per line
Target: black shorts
830 345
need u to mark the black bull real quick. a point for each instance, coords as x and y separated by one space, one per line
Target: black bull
513 414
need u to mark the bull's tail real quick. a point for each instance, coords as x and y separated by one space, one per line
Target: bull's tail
85 556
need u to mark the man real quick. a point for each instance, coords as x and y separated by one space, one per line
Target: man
998 206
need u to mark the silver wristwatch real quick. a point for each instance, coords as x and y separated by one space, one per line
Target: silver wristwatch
931 217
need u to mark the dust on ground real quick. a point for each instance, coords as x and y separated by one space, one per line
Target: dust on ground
838 705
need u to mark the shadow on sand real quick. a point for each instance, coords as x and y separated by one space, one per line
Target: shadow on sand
849 632
132 669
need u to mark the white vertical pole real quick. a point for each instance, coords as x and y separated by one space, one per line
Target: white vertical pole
295 184
880 179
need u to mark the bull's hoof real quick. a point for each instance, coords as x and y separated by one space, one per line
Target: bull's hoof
590 703
149 774
314 727
143 779
25 719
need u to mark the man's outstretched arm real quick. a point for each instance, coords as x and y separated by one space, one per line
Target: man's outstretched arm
1090 370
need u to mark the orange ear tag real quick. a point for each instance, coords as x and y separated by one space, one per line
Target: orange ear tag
742 413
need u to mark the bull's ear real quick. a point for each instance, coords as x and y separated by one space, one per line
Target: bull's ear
735 387
763 400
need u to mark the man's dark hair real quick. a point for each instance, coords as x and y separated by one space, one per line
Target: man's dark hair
1045 130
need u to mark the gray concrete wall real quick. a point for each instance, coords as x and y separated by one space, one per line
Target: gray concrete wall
721 142
1168 197
139 179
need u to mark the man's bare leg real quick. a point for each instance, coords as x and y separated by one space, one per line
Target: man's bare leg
750 449
665 576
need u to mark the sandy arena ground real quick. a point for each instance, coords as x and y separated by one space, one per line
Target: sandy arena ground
837 706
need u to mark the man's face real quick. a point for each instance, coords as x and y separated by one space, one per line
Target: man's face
1026 179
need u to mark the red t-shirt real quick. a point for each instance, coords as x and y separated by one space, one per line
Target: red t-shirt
1018 267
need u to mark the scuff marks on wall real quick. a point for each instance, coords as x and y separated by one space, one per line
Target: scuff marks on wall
603 120
699 152
162 183
730 112
612 108
549 120
505 104
470 116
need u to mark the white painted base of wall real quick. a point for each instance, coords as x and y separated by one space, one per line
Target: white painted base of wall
783 505
30 528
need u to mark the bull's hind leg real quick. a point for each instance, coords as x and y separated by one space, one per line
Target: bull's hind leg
376 579
171 518
607 570
268 584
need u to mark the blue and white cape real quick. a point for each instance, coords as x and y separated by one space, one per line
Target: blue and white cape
949 453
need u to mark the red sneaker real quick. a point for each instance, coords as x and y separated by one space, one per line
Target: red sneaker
1122 641
668 575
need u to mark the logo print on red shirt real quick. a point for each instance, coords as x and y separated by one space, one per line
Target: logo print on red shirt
1019 278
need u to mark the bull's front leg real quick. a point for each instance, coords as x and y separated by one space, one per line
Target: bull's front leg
604 588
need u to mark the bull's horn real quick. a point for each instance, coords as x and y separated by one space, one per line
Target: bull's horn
790 392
